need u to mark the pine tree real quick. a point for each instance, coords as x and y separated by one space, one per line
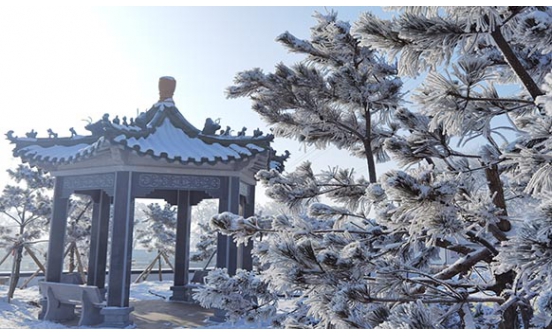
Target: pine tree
160 232
472 143
206 244
77 240
78 233
26 203
159 235
340 95
203 238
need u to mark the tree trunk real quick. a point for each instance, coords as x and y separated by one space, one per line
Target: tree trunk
497 191
526 315
16 269
509 318
515 64
370 162
80 267
367 142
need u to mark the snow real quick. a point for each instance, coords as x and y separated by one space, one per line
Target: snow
240 149
255 147
165 103
22 312
122 127
58 152
176 144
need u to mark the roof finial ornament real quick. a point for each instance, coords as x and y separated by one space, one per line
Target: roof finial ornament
227 131
51 134
167 85
210 127
32 134
10 136
257 133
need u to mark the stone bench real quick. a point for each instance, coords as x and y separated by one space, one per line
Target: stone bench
62 299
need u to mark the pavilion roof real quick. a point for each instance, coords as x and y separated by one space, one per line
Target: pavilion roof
162 132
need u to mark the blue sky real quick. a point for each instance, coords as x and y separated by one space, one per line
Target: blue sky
63 65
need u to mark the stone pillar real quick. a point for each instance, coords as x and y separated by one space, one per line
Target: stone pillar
58 226
56 245
117 312
247 205
98 241
226 248
181 289
227 251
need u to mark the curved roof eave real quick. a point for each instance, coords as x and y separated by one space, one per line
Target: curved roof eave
162 132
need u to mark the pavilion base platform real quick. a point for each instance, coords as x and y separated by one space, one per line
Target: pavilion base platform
183 293
116 317
166 314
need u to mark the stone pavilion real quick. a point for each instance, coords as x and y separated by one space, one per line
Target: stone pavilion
159 155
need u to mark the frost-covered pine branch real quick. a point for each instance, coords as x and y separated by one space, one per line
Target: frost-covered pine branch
458 235
340 94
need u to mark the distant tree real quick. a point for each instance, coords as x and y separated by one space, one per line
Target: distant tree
156 230
77 239
158 235
140 222
476 164
159 232
203 241
26 203
205 247
78 233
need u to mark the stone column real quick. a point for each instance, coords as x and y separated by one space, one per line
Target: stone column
181 289
227 251
247 205
117 312
58 226
56 245
226 248
98 240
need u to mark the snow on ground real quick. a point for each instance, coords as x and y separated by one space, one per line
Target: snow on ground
22 312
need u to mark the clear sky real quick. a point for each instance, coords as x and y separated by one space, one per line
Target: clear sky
60 66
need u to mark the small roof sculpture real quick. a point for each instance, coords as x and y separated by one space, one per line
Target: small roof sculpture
160 133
